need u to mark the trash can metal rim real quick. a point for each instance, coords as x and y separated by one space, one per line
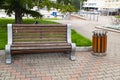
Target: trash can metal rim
99 54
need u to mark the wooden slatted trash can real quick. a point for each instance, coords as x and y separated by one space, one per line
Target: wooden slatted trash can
99 40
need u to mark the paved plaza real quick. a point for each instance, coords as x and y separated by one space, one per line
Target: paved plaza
57 66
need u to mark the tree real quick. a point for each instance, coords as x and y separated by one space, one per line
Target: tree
1 2
65 6
74 5
19 8
69 6
78 4
22 7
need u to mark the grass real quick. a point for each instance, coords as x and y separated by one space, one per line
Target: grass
80 40
117 16
76 38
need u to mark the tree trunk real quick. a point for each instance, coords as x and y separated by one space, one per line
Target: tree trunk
18 14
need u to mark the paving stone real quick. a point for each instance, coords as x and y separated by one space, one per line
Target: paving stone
30 76
2 78
116 77
57 66
100 76
116 74
99 79
35 79
110 78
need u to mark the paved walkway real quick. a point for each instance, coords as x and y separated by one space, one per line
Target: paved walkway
57 66
85 27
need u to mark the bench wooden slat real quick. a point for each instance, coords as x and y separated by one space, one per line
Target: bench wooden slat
39 25
38 30
41 44
40 40
40 47
40 51
38 36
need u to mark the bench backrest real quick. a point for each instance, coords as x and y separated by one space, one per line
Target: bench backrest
39 33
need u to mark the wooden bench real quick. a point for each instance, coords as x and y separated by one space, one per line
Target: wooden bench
39 38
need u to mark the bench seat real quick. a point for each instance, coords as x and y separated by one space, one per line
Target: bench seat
41 47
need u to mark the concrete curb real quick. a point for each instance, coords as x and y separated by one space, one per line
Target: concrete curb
107 29
77 16
79 49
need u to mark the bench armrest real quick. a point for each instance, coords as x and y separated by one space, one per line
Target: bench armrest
8 46
69 33
9 30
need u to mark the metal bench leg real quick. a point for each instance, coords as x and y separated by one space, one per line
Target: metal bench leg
72 54
8 54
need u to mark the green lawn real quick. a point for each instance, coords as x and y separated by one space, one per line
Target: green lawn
80 40
117 16
76 38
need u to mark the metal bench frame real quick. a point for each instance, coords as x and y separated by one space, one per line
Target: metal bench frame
8 55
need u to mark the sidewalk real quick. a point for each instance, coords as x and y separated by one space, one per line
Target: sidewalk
85 27
57 66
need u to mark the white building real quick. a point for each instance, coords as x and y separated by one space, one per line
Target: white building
102 4
112 4
94 4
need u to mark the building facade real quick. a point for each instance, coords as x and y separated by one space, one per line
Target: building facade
93 4
102 4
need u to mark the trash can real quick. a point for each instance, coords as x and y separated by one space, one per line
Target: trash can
99 40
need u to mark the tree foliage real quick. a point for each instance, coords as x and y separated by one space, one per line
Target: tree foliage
70 5
65 6
65 2
78 3
19 7
10 6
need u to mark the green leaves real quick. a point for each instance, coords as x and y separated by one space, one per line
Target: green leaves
64 2
32 13
65 6
47 3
